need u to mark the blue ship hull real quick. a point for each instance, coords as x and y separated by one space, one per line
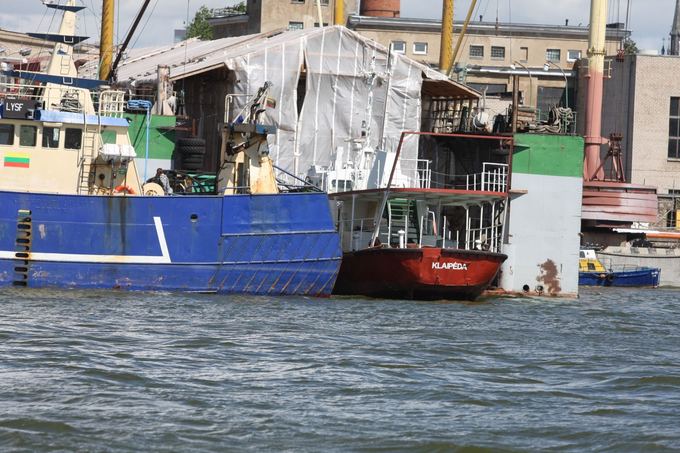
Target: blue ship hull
646 276
283 244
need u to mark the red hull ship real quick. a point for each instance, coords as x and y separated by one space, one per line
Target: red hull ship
427 273
428 234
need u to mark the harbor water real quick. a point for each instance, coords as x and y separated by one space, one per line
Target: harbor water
117 371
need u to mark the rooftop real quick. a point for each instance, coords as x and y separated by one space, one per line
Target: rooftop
614 31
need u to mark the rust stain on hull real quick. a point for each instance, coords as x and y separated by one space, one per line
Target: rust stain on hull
550 278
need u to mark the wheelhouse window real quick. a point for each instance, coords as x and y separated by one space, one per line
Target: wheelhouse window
50 137
476 51
28 135
73 138
674 129
6 134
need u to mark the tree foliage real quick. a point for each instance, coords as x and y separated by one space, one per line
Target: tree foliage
629 47
241 7
199 27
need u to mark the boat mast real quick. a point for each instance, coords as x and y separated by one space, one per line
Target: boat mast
446 48
339 12
106 45
592 168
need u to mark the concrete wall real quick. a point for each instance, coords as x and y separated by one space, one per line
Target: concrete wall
656 81
536 47
544 222
279 13
637 104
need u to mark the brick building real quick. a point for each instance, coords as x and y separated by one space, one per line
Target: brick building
642 102
491 53
263 16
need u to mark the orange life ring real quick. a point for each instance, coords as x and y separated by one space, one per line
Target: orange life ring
124 189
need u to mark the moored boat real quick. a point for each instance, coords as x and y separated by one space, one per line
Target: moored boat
593 273
74 213
436 236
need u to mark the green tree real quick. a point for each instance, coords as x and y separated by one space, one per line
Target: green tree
199 27
241 7
629 47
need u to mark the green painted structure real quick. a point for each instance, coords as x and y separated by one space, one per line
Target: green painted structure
161 135
544 217
550 155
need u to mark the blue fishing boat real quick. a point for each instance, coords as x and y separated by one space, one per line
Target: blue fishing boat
75 214
593 273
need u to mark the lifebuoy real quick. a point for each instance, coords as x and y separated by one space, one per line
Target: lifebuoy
124 189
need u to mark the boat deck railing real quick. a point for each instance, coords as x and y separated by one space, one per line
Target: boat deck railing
356 234
493 178
65 98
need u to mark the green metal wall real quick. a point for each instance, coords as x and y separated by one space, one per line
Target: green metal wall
549 155
161 135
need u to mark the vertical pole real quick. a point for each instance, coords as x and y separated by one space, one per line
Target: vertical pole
146 155
596 52
467 228
515 102
339 18
462 35
446 48
106 44
318 10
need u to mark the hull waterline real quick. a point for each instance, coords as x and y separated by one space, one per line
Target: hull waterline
427 273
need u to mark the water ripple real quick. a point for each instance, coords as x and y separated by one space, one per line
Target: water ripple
100 371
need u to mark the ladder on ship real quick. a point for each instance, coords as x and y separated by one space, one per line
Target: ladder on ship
91 143
401 216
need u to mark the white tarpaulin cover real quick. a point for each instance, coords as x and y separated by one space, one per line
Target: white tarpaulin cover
347 82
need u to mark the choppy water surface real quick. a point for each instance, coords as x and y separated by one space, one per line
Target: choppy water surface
136 372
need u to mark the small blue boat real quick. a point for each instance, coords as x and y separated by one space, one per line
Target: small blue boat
593 273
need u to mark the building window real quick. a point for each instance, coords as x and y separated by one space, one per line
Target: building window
553 55
547 99
573 55
674 130
73 138
324 2
420 48
28 135
523 54
295 25
398 46
490 88
316 24
498 53
476 51
301 2
50 137
6 134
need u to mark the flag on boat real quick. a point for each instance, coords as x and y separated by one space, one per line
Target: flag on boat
17 160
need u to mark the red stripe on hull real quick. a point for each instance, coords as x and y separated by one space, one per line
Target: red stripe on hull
420 273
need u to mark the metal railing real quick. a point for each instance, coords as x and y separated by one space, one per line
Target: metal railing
66 99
